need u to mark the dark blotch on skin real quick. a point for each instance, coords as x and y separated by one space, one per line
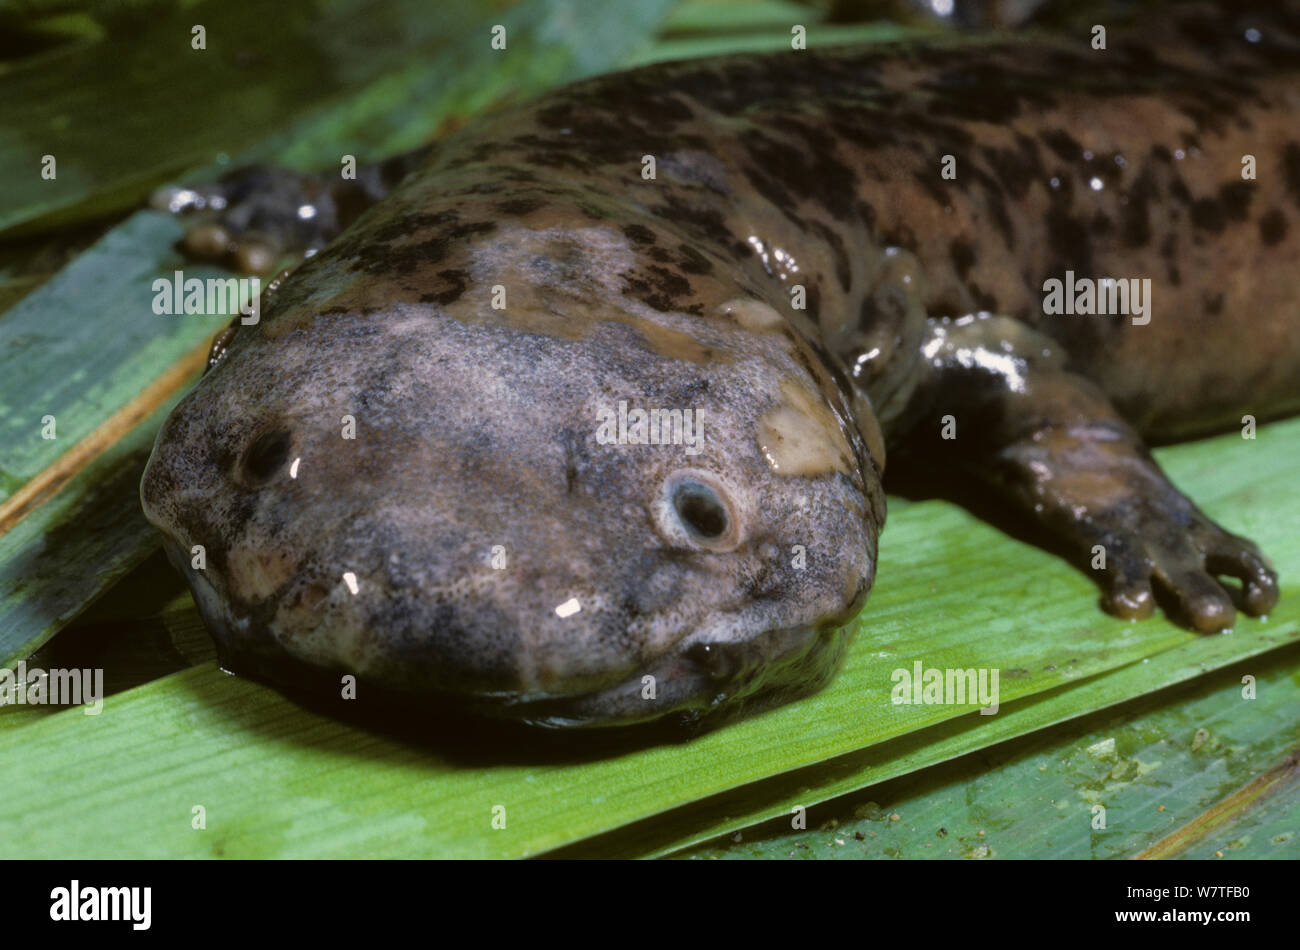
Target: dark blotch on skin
692 261
1291 170
929 183
1208 215
901 236
558 115
995 202
458 281
709 225
1178 189
519 206
639 234
983 89
842 271
782 170
471 229
1014 169
867 313
963 256
410 223
1068 234
1234 199
659 287
385 255
1063 144
1136 221
983 299
813 299
1272 227
1169 251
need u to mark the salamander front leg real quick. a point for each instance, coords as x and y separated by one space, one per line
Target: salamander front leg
1049 443
1096 488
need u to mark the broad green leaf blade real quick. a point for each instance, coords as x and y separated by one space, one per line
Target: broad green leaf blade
86 351
144 628
65 553
770 37
946 588
1259 814
264 66
775 798
735 18
328 77
26 265
188 105
1195 771
88 342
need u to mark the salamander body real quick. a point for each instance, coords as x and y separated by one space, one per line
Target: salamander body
623 365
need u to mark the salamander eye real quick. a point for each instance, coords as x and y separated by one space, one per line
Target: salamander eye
693 509
267 455
700 509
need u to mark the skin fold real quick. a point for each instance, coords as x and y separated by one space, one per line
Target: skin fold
797 272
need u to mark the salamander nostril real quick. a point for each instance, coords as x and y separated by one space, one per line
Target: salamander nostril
267 454
700 509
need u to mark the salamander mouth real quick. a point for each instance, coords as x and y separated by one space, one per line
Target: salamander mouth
711 675
701 680
683 688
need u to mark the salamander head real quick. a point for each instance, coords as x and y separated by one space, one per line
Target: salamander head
444 502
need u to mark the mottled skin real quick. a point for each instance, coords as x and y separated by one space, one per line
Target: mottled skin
476 426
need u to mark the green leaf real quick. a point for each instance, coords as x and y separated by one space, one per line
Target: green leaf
71 500
303 82
88 342
1196 771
